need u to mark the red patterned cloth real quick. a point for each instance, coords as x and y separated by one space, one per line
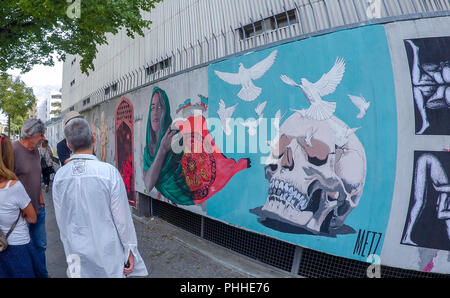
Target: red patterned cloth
205 168
126 173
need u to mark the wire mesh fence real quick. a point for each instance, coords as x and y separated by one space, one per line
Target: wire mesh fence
292 259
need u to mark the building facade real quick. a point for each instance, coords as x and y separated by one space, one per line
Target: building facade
41 109
321 176
54 104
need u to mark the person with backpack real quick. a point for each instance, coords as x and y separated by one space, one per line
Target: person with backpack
18 257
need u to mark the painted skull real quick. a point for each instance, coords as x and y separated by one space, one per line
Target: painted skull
316 174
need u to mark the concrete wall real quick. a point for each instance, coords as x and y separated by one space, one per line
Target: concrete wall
181 25
176 24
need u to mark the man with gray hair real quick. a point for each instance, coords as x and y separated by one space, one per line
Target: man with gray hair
27 167
92 211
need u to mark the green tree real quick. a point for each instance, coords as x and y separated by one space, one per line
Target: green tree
16 100
31 31
16 126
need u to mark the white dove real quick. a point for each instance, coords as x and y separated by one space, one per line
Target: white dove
245 77
252 124
341 133
309 134
361 103
277 120
225 115
320 109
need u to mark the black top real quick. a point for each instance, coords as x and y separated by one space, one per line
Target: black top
63 151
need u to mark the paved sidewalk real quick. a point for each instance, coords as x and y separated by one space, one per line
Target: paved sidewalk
169 252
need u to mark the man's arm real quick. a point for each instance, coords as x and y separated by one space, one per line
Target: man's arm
41 199
123 221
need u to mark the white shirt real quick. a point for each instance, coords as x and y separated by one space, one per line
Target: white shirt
94 218
12 200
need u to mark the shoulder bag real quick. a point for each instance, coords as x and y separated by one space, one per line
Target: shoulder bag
4 239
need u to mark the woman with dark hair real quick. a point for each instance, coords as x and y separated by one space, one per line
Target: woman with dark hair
20 259
162 167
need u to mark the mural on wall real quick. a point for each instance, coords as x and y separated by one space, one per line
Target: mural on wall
428 221
196 169
429 61
96 131
124 133
103 138
323 163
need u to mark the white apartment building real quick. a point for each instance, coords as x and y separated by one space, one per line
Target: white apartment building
54 105
41 109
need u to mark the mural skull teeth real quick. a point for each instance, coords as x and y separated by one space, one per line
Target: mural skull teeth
285 199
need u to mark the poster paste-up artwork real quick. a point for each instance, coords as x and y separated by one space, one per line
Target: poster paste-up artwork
317 119
428 221
429 62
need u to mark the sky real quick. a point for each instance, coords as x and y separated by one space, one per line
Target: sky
43 80
41 77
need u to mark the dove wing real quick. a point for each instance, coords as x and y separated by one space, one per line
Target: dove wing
329 81
357 101
221 114
289 81
259 69
221 111
260 108
230 78
230 111
278 115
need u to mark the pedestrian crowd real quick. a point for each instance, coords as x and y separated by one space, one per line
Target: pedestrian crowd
90 201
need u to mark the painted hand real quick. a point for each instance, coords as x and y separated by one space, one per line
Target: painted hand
166 141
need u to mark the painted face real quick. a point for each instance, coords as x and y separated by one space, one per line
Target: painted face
156 113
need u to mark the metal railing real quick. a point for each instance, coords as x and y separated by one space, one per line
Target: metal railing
311 18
